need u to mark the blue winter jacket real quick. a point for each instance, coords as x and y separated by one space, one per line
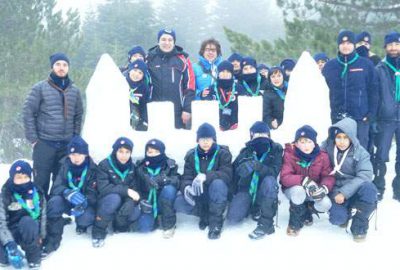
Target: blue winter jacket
388 109
205 74
355 94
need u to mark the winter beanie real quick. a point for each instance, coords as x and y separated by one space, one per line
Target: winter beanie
346 35
392 37
248 61
135 50
225 65
288 64
235 57
321 56
259 127
78 145
156 144
139 64
166 31
206 131
57 57
364 36
123 142
306 132
20 166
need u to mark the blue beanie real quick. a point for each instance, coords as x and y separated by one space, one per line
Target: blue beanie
20 166
57 57
123 142
392 37
273 69
78 145
248 61
235 57
138 64
364 36
259 127
306 132
135 50
156 144
288 64
170 32
225 65
262 66
206 131
321 56
346 35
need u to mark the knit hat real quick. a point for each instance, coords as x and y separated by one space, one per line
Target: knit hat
306 132
364 36
166 31
321 56
139 64
20 166
288 64
334 131
262 66
259 129
156 144
57 57
78 145
225 65
122 142
272 71
248 61
206 131
346 35
135 50
235 57
392 37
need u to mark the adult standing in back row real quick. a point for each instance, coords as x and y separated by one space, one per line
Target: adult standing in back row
52 116
172 76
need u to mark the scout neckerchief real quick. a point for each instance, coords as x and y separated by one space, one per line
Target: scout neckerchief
228 99
152 198
256 176
81 181
347 64
338 165
248 89
280 93
197 160
397 78
33 212
122 175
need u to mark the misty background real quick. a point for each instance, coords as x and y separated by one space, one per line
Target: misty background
270 31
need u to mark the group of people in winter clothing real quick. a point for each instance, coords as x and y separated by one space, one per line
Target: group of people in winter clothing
118 194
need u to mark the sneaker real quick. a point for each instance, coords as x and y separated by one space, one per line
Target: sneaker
97 243
214 233
359 237
203 224
80 230
169 233
292 232
34 265
261 231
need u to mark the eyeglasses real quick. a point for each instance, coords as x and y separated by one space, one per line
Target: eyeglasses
210 49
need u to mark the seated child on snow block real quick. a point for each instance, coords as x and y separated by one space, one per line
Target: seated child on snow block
305 179
119 192
159 179
354 196
74 193
255 179
22 218
205 183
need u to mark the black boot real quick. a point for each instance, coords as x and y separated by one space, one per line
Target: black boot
216 219
100 225
379 179
168 218
360 220
396 183
296 218
203 214
55 229
265 224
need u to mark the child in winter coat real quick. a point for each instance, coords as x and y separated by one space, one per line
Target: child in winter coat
274 98
305 179
136 53
139 93
118 192
251 80
205 182
225 91
159 178
255 173
74 192
22 218
354 196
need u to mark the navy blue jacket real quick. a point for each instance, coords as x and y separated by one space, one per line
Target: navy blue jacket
355 94
388 109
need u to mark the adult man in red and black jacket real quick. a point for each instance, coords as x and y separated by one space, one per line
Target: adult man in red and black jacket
172 76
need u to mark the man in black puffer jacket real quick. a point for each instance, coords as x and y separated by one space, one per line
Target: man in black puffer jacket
52 116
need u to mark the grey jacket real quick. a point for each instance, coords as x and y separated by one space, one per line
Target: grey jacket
357 167
52 114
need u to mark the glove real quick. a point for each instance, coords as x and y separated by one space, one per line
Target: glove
15 257
127 208
79 209
309 185
320 193
248 167
74 196
188 195
197 184
146 207
152 181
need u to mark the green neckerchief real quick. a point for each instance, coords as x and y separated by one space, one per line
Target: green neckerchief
35 212
248 89
256 177
280 93
134 99
153 191
347 64
121 175
82 180
397 79
231 97
304 164
197 160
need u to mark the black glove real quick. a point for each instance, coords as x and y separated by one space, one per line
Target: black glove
320 193
152 181
248 167
309 185
127 208
146 207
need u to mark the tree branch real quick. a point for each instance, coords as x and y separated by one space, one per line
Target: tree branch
391 8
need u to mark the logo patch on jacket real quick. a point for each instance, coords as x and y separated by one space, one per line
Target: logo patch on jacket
356 69
14 206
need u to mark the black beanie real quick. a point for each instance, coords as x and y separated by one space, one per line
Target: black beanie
57 57
206 131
